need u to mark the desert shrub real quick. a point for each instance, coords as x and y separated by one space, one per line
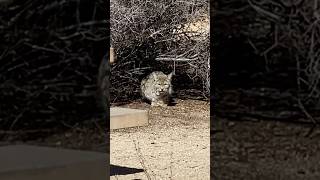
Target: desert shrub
159 35
285 34
296 31
50 52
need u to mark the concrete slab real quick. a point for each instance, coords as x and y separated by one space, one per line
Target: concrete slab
23 162
126 117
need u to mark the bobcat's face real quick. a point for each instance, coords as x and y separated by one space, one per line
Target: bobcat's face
157 88
162 84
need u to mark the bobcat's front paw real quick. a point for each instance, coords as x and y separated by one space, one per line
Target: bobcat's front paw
154 103
162 104
158 104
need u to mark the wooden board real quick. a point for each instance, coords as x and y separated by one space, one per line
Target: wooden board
126 117
112 56
23 162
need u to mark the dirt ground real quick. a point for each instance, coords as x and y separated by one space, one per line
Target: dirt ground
264 150
176 144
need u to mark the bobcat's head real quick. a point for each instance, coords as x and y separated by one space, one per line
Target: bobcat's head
162 83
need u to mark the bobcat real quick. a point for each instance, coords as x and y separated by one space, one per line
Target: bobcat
157 88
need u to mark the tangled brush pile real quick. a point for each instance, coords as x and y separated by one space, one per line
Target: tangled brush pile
159 35
50 52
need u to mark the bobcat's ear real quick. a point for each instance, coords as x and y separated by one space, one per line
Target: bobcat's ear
154 75
170 75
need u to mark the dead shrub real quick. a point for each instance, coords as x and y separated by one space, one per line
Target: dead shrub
296 29
283 36
49 55
159 35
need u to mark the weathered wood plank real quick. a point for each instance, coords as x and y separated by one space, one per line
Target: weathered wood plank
112 55
126 117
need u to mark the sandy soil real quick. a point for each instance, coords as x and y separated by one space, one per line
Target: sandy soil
176 144
264 150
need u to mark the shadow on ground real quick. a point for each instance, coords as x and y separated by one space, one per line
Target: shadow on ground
120 170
